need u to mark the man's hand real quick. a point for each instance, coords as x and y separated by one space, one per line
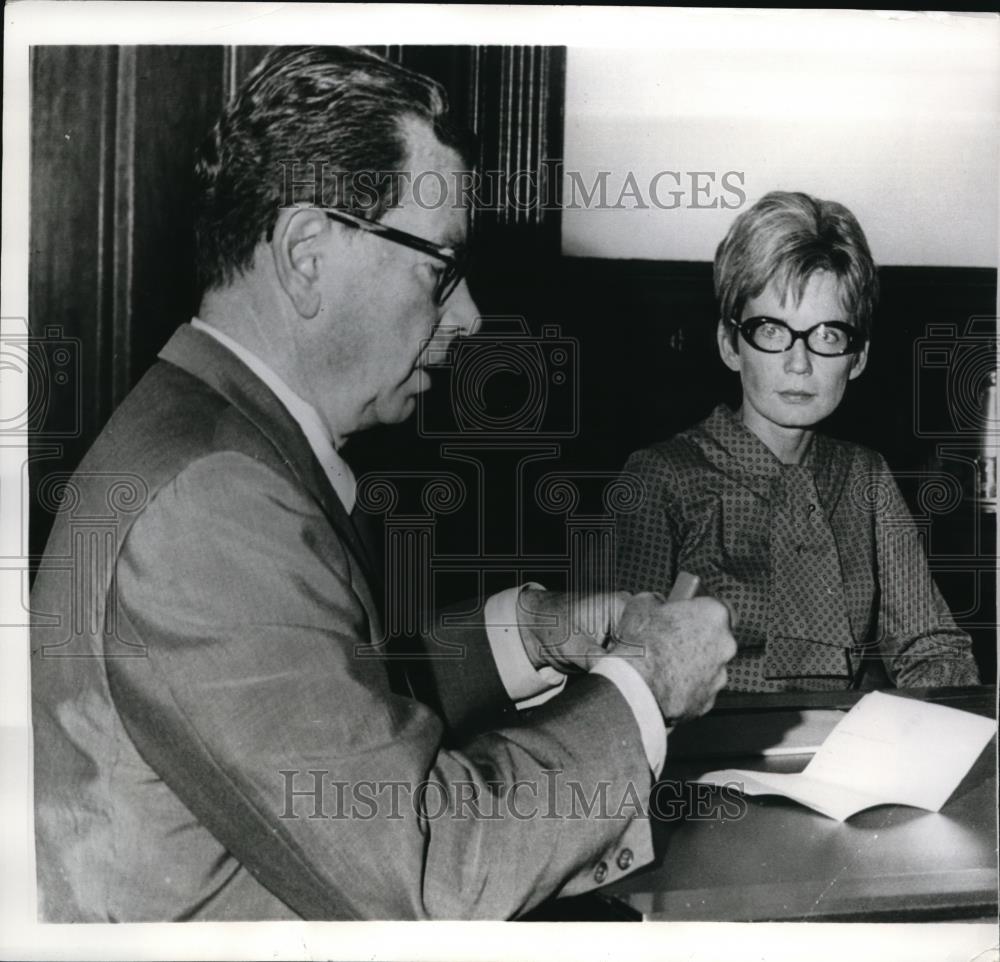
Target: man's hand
567 632
680 649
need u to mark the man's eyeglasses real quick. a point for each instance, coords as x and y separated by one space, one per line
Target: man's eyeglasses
456 261
828 339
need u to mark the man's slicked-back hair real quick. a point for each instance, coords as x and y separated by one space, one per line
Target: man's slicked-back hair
302 128
786 238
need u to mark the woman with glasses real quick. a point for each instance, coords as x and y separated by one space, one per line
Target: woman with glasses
807 538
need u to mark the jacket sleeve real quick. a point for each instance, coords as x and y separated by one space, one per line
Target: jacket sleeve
647 538
258 706
452 670
918 639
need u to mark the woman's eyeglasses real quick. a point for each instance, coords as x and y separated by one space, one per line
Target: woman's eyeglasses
828 339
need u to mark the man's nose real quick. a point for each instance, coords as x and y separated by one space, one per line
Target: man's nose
797 359
460 316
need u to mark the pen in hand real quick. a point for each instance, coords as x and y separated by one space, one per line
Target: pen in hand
686 586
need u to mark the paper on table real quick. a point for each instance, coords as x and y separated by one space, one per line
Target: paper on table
886 750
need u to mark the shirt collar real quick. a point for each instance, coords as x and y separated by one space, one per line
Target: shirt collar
738 452
336 469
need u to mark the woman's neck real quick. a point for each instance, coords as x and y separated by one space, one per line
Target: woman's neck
788 444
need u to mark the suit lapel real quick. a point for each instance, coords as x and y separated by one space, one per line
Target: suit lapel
206 359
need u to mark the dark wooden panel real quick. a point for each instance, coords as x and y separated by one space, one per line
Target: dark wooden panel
512 98
71 184
122 160
648 362
516 108
177 97
70 285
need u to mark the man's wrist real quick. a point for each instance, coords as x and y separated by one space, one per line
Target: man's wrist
565 632
524 682
536 611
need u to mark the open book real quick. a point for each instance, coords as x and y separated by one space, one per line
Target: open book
885 750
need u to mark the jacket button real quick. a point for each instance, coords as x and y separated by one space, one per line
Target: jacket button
601 872
625 858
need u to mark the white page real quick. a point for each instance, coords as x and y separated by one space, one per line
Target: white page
902 750
886 749
834 801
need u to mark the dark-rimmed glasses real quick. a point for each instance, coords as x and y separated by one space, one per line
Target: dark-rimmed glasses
828 338
455 260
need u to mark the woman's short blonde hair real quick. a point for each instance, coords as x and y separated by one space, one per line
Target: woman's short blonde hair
786 238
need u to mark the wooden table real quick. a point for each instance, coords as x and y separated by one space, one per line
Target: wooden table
780 861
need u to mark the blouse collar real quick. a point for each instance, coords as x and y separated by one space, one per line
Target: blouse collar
736 451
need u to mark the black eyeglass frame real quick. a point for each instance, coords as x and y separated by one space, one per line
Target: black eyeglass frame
456 260
856 339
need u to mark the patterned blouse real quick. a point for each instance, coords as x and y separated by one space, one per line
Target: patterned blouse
820 562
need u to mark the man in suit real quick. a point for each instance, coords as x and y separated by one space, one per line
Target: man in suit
218 733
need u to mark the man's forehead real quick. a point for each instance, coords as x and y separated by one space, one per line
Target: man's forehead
433 187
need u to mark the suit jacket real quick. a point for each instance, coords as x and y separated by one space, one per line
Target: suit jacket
820 561
218 731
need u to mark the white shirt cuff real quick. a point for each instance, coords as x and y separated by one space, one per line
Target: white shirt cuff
526 685
640 699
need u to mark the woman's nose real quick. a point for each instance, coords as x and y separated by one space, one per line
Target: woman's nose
797 359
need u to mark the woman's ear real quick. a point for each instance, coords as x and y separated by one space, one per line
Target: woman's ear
725 335
859 363
298 256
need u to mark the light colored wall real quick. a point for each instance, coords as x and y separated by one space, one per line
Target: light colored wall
899 118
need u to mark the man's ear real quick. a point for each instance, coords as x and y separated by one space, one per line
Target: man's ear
724 336
298 257
859 362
